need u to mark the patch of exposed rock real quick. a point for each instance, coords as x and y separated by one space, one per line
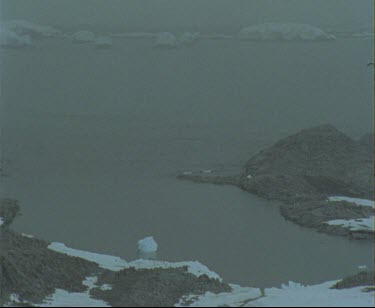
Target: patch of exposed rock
317 161
315 214
156 288
32 271
363 278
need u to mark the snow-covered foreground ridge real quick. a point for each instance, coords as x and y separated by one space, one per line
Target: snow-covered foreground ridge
117 264
292 294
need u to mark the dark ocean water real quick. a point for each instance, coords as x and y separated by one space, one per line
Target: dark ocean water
93 140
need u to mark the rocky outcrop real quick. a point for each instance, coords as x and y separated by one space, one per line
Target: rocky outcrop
32 272
302 170
316 214
9 209
363 278
318 161
156 288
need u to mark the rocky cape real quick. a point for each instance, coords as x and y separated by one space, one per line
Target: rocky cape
301 171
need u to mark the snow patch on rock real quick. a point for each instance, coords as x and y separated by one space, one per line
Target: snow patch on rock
363 202
361 224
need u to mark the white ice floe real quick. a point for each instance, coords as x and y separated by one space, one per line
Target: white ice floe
189 38
103 42
62 298
147 245
363 202
290 295
116 264
23 27
1 221
361 224
166 40
283 31
236 298
9 38
104 261
83 36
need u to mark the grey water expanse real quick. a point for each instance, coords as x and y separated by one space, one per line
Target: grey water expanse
93 140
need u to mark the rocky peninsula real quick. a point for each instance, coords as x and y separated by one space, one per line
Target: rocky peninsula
303 170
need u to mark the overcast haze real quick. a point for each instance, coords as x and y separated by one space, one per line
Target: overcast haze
189 13
112 110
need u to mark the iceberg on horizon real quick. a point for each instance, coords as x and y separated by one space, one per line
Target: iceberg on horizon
83 36
103 42
24 27
189 38
9 38
283 32
166 40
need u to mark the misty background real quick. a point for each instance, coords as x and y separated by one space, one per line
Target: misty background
200 14
94 139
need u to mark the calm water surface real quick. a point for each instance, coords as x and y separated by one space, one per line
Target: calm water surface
94 139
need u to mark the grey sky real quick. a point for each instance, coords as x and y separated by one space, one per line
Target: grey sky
193 13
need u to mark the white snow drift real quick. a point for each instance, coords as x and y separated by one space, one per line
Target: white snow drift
62 298
363 202
283 31
117 264
361 224
290 295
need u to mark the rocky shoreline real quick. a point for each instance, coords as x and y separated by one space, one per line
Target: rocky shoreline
33 273
30 272
301 171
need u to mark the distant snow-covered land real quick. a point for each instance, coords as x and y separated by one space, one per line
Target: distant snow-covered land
283 31
166 40
83 36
